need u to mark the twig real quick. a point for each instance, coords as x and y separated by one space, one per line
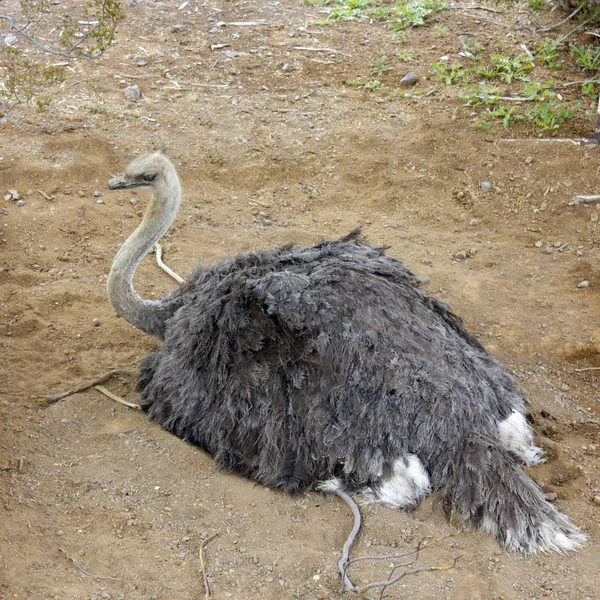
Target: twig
116 398
161 264
584 81
389 582
576 141
567 18
21 31
200 554
83 570
309 49
588 198
474 7
343 562
56 397
587 369
593 33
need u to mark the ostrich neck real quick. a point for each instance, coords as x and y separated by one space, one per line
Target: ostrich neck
148 315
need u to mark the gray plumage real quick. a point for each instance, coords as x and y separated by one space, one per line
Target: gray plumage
329 366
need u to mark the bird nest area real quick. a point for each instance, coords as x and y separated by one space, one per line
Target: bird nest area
280 134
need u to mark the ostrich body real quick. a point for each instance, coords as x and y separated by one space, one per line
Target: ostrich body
328 367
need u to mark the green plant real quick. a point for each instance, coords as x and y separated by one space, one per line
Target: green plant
548 52
535 5
413 13
449 74
586 57
507 68
378 66
548 115
405 56
440 30
373 85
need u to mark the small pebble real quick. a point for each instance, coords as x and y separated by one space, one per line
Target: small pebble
473 222
159 54
65 420
20 203
141 63
583 284
96 322
549 250
485 186
8 197
551 496
178 28
460 255
287 67
539 244
597 500
14 194
132 92
267 222
472 251
409 79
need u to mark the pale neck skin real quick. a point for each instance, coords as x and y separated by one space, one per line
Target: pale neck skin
147 315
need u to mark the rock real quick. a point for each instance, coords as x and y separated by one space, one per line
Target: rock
287 67
96 194
141 63
528 160
460 255
597 500
551 496
581 285
178 28
96 322
485 186
409 79
472 251
8 197
159 54
473 222
20 203
132 92
14 194
539 244
267 222
549 250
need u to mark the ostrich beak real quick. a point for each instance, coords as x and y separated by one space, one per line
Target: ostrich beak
120 182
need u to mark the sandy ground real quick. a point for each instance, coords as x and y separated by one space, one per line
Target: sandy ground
269 156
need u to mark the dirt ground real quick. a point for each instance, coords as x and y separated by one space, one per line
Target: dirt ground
271 155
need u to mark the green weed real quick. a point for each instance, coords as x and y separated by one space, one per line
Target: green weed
586 57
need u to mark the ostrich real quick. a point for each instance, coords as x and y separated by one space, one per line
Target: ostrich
329 368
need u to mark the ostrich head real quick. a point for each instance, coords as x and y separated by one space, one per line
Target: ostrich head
153 171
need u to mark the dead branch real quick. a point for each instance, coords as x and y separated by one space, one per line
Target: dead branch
201 556
343 562
116 398
21 31
161 264
86 386
567 18
474 7
404 574
83 570
587 369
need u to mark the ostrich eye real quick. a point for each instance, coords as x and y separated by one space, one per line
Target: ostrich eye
149 177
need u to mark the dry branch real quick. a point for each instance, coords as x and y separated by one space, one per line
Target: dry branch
86 386
83 570
202 566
